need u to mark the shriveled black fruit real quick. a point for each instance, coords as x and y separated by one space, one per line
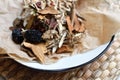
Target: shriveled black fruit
33 36
17 36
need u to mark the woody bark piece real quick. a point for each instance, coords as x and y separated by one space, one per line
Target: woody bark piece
82 28
28 51
64 49
69 23
78 27
38 50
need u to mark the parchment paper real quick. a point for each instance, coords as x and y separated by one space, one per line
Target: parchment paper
102 17
102 21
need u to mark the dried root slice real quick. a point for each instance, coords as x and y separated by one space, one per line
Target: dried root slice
39 50
64 49
27 50
69 23
79 27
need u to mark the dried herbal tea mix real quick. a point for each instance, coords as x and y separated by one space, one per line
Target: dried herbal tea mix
49 29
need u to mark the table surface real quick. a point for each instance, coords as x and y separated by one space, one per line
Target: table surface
107 67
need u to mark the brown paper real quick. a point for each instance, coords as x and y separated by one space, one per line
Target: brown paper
102 17
102 21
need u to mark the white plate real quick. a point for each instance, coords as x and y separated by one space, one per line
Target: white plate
71 62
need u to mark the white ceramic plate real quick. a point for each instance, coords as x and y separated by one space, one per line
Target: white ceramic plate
71 62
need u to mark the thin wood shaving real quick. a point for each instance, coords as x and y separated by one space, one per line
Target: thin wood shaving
62 39
17 57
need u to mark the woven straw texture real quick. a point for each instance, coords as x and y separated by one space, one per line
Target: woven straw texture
107 67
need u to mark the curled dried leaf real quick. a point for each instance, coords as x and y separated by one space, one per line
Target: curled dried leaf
27 50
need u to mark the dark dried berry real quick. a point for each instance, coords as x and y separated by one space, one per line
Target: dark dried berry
33 36
39 25
18 23
17 36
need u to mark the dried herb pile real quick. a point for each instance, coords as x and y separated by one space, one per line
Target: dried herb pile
48 29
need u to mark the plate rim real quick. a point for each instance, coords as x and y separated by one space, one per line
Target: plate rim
81 65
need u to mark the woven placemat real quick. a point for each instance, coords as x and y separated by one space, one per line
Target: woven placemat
107 67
